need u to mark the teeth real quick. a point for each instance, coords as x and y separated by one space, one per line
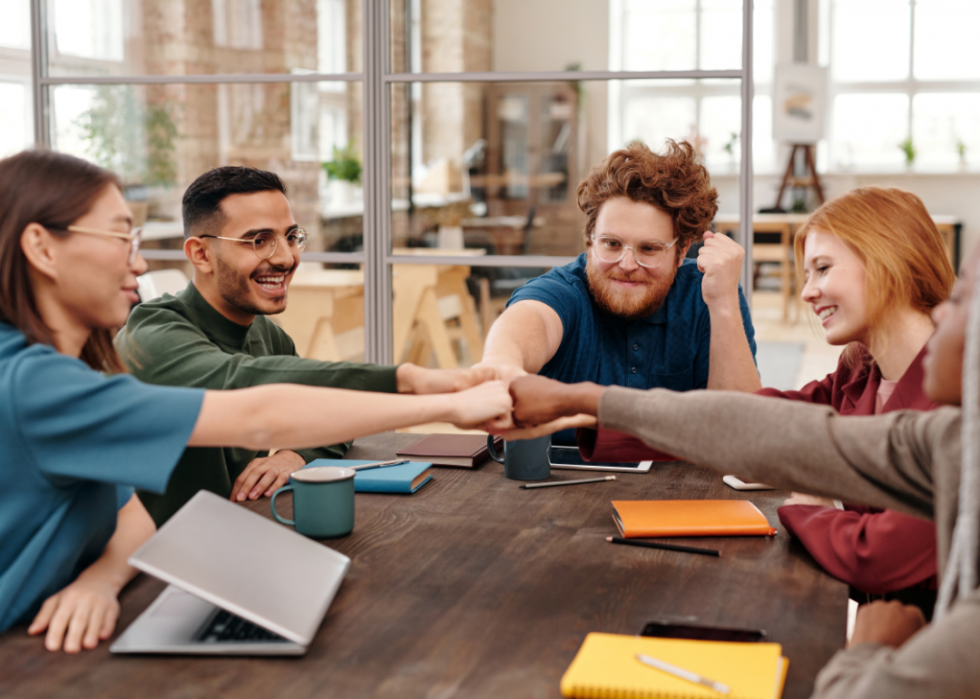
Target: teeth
827 312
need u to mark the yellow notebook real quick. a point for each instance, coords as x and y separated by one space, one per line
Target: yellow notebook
606 668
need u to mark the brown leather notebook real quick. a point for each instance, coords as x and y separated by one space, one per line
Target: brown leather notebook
662 518
462 450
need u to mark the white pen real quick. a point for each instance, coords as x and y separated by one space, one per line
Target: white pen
528 486
377 464
683 674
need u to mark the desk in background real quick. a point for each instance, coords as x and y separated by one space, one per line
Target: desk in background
474 588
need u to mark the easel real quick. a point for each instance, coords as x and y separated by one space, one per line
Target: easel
812 181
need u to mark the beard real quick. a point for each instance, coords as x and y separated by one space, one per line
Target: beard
630 304
235 288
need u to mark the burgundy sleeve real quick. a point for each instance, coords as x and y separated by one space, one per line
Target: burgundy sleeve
604 445
875 552
821 392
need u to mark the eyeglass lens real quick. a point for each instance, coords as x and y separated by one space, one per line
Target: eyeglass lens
648 254
265 243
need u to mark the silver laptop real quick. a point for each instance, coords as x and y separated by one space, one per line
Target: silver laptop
239 584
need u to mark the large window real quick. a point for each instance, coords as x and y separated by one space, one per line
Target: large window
903 73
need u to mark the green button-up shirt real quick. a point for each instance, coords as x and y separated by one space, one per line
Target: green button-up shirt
183 341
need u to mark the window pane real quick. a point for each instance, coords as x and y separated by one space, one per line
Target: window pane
181 37
870 40
867 130
16 129
940 123
945 40
158 139
15 30
552 35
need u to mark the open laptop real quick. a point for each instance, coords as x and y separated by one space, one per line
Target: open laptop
239 584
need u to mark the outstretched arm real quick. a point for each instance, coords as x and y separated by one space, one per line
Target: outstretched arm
86 611
522 339
296 417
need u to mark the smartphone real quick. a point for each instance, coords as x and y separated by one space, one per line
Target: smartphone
738 484
663 629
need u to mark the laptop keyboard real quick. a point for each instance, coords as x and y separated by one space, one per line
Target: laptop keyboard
226 627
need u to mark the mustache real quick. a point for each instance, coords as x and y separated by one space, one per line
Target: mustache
636 278
272 269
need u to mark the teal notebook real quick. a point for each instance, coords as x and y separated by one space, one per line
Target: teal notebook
403 478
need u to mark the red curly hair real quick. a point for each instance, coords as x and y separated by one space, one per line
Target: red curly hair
673 181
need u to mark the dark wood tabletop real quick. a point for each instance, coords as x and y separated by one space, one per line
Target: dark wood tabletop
473 587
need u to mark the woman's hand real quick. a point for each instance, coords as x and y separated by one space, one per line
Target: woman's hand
418 380
804 499
266 474
486 404
79 616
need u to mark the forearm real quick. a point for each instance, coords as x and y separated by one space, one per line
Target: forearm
730 363
301 417
133 527
806 448
525 336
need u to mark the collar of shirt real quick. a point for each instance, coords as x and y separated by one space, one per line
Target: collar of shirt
210 320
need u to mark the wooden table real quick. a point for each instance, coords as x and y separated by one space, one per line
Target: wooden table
474 588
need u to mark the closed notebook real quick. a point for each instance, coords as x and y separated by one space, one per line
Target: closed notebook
637 519
606 667
402 478
462 450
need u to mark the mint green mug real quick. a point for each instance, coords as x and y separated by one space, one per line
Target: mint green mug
323 501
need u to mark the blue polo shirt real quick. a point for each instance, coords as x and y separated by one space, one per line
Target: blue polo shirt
667 349
74 444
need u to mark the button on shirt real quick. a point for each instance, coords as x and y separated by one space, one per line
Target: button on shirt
75 443
667 349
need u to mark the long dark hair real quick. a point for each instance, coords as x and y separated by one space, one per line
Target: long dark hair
53 190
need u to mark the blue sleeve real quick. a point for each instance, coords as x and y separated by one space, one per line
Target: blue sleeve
81 425
557 294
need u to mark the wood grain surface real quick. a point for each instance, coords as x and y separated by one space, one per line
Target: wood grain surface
473 587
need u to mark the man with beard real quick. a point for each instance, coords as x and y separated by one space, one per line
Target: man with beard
632 311
241 237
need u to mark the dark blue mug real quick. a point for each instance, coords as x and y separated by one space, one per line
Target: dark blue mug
523 459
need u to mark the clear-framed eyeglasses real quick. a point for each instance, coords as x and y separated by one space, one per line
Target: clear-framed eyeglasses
649 254
134 237
265 243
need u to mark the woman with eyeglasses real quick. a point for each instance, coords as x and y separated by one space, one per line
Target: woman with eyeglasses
79 434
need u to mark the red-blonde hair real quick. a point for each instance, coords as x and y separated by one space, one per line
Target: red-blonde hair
904 257
673 181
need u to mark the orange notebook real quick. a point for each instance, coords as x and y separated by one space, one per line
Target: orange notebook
638 519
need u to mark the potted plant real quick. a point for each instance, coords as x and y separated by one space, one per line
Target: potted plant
961 151
908 148
343 173
133 139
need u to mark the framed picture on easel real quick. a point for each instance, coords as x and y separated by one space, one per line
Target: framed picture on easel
799 103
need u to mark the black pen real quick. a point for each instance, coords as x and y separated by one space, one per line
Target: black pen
666 547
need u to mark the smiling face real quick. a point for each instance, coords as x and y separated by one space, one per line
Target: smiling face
96 284
943 363
240 284
624 288
835 288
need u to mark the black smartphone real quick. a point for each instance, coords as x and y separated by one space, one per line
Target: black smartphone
663 629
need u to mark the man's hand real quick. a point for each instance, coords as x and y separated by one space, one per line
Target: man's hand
538 400
888 623
804 499
721 261
418 380
265 474
502 372
563 423
79 616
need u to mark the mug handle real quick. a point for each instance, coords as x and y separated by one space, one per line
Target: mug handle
272 505
492 449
